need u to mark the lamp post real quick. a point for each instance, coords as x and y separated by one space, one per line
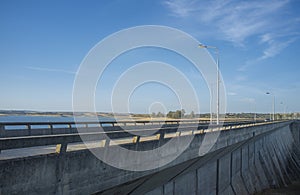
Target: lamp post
268 93
254 112
284 110
218 77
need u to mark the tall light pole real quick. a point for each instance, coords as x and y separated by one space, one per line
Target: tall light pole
284 110
254 112
218 77
268 93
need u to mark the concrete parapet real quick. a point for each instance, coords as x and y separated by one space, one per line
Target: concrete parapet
266 161
243 161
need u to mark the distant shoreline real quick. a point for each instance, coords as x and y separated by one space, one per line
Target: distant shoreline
120 117
131 116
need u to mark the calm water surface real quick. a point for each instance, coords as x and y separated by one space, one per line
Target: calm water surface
20 118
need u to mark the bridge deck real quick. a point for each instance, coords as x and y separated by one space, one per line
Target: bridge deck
33 149
29 165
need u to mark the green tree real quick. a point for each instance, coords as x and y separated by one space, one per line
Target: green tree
153 115
159 114
192 115
177 114
170 114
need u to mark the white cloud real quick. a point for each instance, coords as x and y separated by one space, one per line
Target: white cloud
236 21
247 64
275 48
276 42
180 8
265 38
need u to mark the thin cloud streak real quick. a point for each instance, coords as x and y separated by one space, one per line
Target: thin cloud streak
50 70
180 8
236 21
275 48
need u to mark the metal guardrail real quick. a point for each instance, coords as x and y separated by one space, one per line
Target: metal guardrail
16 129
12 129
62 140
69 125
104 123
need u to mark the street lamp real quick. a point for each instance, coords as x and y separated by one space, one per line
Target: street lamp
268 93
254 112
284 110
218 77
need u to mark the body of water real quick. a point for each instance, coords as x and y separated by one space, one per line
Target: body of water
26 118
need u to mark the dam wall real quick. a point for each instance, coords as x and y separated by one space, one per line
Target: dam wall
244 160
268 160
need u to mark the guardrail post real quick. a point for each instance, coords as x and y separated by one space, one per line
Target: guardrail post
106 147
178 133
161 137
29 129
2 131
51 129
107 141
136 140
61 148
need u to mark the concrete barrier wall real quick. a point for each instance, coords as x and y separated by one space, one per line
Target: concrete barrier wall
15 129
262 162
235 164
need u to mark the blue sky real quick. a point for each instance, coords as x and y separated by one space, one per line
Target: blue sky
44 42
